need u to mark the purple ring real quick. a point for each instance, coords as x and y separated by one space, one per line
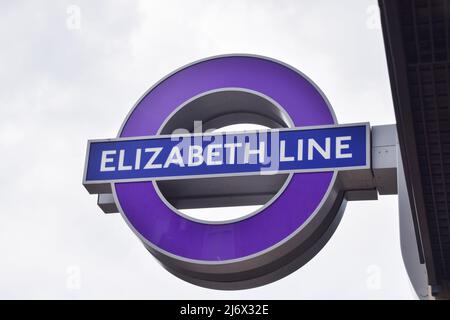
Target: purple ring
157 225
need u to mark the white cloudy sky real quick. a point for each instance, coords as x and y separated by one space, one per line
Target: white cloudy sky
61 85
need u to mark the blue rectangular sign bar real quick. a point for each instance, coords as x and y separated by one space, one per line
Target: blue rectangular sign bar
309 149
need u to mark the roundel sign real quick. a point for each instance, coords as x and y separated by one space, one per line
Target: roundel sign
170 154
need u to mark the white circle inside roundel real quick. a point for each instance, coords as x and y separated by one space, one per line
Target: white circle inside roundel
226 213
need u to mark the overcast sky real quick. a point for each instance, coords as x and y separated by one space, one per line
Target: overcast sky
71 70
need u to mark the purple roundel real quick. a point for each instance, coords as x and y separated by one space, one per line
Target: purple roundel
163 229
